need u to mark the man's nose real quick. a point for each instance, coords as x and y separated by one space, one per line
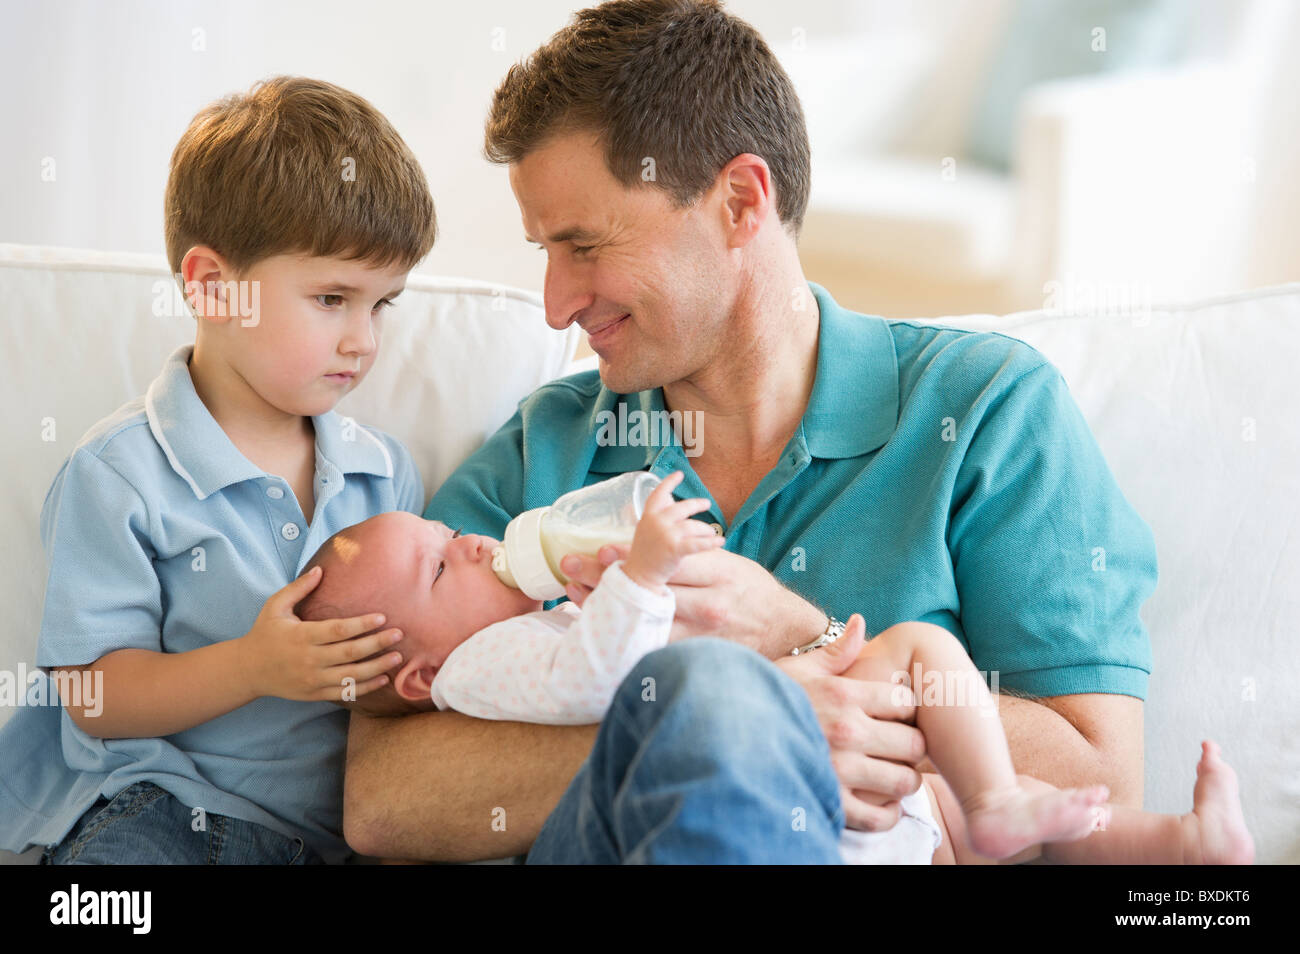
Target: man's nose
565 294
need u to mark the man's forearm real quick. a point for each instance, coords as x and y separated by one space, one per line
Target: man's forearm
796 623
441 786
1049 746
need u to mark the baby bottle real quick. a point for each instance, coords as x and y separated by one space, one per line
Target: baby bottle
582 521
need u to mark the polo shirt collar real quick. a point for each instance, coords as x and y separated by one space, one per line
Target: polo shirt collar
853 408
204 456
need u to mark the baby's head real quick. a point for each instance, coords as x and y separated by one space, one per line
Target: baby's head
293 214
437 588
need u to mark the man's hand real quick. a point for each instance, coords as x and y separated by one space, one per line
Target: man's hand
718 593
874 748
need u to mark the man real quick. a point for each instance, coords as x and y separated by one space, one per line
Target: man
659 158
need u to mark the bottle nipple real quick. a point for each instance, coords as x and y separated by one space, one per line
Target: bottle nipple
501 566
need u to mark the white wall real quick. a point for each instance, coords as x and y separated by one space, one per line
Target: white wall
106 89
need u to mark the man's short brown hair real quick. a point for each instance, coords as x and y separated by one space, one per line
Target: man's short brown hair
297 165
681 82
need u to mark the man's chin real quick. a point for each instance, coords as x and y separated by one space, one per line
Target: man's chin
621 378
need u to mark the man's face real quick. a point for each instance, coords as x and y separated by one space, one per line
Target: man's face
648 282
438 589
315 333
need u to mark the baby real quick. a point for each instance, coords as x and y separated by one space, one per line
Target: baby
472 644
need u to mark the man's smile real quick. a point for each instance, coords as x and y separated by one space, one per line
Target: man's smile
604 332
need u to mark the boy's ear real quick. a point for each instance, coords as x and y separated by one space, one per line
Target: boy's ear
414 681
205 276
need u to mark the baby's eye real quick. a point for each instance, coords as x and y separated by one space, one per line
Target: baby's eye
329 304
443 565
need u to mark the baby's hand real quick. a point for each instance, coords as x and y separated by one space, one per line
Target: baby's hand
666 533
287 657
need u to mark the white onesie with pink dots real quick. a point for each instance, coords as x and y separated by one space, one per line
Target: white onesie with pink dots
559 666
563 666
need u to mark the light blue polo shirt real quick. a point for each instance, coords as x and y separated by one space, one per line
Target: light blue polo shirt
937 475
161 535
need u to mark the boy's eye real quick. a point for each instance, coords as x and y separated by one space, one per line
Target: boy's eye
335 300
382 304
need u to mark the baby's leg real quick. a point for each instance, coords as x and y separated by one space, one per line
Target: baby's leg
1213 832
954 848
964 737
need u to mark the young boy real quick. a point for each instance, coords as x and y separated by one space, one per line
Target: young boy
293 215
477 646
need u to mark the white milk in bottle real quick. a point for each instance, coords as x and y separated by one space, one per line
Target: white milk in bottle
581 521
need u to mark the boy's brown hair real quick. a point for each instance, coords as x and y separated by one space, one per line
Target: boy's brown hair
297 165
681 82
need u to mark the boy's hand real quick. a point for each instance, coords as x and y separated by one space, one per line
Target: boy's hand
292 659
666 533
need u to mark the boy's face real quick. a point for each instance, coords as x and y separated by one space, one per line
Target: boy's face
437 589
309 327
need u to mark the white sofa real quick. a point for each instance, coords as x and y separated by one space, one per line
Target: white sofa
1192 408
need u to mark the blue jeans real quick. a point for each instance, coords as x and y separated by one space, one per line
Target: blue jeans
717 759
147 825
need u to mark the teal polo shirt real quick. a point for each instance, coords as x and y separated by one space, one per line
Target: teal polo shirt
938 475
161 535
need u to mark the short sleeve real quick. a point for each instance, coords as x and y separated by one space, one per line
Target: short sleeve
101 591
1051 561
487 490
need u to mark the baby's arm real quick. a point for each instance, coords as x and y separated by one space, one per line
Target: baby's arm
560 667
535 669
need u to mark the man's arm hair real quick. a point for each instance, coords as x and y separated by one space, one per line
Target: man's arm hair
1078 740
430 786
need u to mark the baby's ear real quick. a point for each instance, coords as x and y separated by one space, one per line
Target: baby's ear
414 680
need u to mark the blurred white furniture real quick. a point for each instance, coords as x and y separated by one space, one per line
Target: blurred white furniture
1194 410
1143 181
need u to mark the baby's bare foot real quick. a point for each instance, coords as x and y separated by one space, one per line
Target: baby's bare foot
1215 829
1001 824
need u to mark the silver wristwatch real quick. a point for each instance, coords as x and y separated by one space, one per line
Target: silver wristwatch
834 630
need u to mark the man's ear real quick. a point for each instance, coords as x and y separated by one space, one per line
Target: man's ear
746 184
414 681
206 275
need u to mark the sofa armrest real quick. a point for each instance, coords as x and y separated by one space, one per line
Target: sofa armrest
1134 178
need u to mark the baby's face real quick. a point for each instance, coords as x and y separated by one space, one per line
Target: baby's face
437 590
